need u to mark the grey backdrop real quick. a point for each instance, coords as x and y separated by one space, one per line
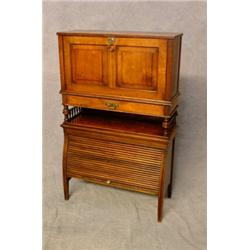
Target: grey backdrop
103 218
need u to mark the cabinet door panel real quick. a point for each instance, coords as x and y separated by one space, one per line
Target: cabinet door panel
89 64
141 67
86 63
137 68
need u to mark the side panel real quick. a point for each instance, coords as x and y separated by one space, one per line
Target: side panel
173 68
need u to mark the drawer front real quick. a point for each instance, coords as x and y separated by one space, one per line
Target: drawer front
114 105
119 164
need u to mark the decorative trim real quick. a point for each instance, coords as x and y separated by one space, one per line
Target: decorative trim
129 34
71 113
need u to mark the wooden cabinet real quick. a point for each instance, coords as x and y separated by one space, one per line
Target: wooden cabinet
137 68
123 89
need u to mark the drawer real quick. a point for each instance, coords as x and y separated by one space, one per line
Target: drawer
112 163
115 105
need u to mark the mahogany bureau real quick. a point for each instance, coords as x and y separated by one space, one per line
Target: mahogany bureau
120 96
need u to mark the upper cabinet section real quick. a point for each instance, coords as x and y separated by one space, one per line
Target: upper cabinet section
141 66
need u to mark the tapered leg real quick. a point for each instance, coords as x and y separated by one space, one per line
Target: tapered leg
163 180
162 189
66 187
169 191
160 207
64 168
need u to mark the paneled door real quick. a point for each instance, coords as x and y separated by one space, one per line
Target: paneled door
141 67
85 63
129 67
137 68
89 64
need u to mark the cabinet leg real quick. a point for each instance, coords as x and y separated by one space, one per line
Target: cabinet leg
66 188
169 191
160 207
64 165
162 190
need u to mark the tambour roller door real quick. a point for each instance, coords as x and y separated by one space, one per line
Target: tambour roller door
127 164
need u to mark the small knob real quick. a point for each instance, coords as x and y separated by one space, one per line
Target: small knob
108 181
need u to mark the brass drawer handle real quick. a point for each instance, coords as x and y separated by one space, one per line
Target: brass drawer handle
111 40
108 181
111 105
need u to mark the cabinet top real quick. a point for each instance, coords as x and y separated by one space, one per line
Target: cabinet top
169 35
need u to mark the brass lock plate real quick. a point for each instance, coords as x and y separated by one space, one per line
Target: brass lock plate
111 40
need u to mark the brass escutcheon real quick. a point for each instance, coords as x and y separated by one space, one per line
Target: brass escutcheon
108 181
111 40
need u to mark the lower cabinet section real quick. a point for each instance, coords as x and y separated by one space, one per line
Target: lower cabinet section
118 158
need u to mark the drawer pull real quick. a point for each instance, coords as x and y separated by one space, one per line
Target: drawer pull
108 181
111 105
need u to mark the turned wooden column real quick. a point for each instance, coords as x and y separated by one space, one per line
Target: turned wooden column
169 123
65 112
165 125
